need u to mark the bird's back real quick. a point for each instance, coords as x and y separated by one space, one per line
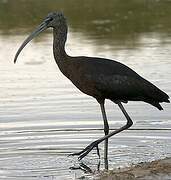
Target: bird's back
109 79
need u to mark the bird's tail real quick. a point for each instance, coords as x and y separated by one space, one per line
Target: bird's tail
162 96
156 96
156 104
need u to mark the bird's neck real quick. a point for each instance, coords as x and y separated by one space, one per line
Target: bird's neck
61 58
59 39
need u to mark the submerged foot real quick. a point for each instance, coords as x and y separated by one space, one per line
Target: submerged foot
86 150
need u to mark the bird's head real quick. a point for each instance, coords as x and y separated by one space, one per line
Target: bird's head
53 19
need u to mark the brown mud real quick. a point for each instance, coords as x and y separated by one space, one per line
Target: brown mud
157 170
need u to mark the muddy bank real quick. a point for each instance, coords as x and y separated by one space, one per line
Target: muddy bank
158 170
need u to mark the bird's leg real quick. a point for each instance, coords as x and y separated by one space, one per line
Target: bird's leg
106 131
87 149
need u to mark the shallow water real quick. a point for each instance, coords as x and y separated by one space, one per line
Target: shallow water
43 117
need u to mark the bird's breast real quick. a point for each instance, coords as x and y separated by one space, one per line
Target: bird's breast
85 83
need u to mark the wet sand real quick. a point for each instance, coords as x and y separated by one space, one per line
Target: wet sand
158 170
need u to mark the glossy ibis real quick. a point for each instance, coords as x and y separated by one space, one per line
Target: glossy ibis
98 77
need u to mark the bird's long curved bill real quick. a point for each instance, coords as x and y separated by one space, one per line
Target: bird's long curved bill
37 31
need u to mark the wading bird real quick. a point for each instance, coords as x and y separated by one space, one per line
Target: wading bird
98 77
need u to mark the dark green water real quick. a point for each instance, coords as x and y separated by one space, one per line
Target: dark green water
113 20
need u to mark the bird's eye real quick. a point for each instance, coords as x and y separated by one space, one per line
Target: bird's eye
50 19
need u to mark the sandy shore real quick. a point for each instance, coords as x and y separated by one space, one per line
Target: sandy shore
157 170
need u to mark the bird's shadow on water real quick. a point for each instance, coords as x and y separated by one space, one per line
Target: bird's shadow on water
85 168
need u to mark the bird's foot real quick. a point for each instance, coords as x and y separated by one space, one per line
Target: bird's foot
86 150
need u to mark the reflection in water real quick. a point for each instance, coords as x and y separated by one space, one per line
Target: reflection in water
43 117
112 22
84 167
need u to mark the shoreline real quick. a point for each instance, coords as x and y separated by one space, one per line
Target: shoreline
158 170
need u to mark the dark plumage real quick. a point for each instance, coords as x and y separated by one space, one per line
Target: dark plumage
98 77
109 79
